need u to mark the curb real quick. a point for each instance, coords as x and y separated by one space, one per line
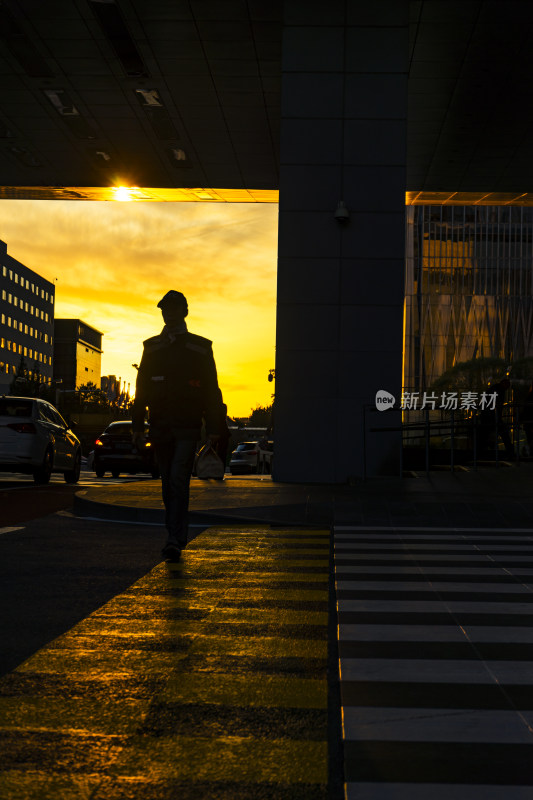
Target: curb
84 507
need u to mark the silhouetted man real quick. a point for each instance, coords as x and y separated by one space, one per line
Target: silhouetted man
177 380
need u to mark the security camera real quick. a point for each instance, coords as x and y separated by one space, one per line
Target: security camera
342 214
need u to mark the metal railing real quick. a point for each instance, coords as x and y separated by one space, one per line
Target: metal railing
434 434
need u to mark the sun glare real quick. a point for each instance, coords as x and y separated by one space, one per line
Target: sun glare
122 193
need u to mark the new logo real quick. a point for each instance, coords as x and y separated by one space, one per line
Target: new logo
384 400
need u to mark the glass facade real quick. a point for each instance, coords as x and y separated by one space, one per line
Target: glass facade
469 288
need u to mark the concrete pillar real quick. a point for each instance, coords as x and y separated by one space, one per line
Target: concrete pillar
340 285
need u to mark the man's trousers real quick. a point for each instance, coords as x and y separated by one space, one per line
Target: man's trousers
175 458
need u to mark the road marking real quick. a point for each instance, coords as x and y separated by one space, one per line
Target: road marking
424 528
10 530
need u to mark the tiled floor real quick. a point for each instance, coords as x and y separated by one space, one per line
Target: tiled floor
436 660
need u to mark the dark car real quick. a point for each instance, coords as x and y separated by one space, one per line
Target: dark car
114 452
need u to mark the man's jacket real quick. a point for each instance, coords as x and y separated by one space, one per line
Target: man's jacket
177 380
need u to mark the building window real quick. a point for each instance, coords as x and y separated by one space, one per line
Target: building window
16 278
10 274
4 272
4 294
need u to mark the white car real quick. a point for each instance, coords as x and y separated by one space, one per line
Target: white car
35 439
251 457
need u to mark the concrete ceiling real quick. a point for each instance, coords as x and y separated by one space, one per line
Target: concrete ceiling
178 95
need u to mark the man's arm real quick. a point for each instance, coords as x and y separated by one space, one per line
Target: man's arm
213 409
139 406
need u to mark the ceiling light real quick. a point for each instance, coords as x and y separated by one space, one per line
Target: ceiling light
149 97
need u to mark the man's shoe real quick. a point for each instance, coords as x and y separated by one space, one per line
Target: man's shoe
171 552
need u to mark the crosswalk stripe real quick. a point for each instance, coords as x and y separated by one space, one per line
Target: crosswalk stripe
436 662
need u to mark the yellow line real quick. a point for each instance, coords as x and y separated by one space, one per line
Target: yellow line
268 559
269 616
260 647
74 716
226 759
150 628
246 690
253 592
248 576
260 532
97 662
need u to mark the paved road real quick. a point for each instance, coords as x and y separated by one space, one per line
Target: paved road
22 500
54 570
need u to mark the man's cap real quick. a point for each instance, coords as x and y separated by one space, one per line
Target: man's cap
173 298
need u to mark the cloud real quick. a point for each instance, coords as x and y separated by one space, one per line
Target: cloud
114 261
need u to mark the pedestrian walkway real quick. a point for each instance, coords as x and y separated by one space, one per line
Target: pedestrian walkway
497 497
436 663
206 680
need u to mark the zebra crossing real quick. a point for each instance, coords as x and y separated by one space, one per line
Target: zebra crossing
436 662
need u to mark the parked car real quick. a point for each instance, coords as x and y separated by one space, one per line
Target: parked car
251 457
114 452
36 440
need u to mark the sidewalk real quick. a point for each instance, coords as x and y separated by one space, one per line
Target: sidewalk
490 497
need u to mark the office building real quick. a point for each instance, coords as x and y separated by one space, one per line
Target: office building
26 320
77 353
469 288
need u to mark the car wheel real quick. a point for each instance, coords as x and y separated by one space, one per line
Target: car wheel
73 475
100 472
115 473
42 474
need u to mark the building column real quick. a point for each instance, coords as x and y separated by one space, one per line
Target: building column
340 283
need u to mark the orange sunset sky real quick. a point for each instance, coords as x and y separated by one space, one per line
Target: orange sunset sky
115 260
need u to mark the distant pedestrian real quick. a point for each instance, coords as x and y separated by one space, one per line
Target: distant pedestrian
526 418
492 424
177 381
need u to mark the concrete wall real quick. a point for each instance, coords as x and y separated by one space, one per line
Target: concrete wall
340 286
